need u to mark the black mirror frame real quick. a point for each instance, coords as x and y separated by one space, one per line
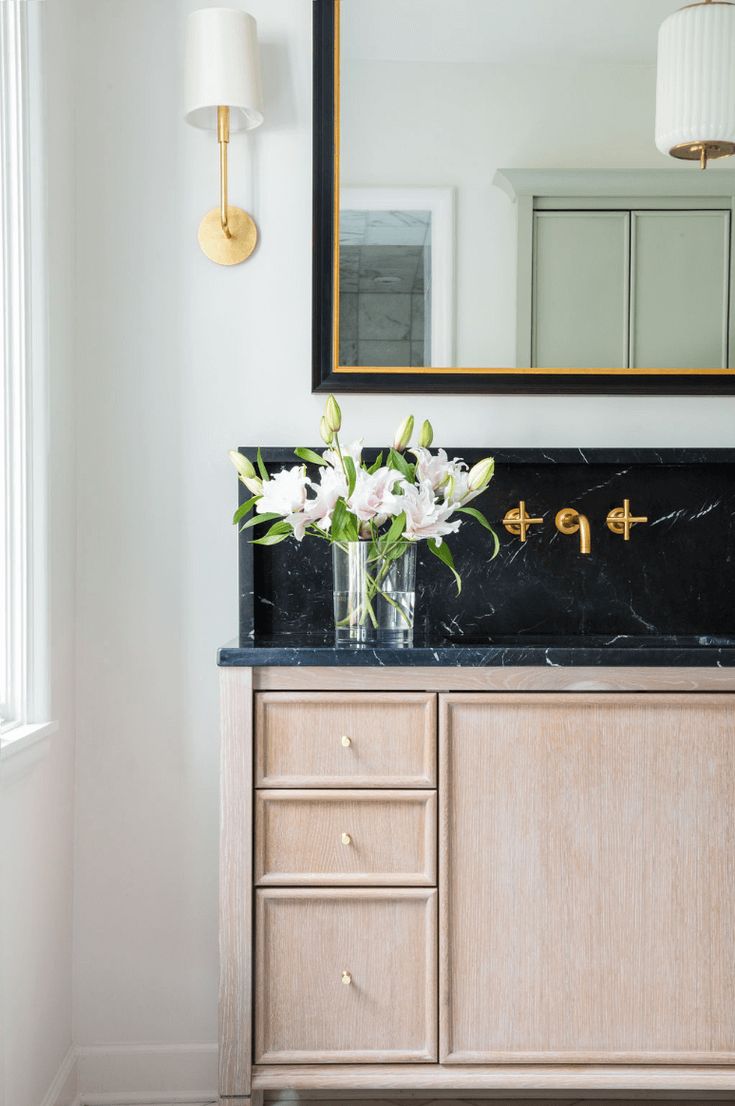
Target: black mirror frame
325 288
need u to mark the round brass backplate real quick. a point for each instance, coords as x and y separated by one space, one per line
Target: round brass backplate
215 243
692 151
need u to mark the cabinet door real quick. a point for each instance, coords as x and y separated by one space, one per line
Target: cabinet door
580 289
679 289
587 874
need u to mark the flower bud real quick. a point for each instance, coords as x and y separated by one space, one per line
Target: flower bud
253 483
480 474
244 468
403 434
332 414
426 437
326 434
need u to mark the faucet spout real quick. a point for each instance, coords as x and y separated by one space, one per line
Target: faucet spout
569 521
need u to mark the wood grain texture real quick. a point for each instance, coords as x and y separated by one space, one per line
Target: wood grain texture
496 679
392 838
235 881
298 739
587 872
624 1080
386 940
498 1098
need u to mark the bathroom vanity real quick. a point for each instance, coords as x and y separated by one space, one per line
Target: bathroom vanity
501 863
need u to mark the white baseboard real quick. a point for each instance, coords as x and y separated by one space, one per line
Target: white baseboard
109 1075
63 1090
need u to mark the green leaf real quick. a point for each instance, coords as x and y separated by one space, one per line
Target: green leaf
261 467
399 462
444 554
351 475
397 526
344 523
257 519
473 511
309 455
376 464
243 509
278 532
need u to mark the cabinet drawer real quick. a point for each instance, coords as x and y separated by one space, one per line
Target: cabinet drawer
306 739
345 837
345 976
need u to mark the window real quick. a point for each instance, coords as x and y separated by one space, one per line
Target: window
23 698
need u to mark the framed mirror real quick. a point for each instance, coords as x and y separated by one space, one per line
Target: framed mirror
491 211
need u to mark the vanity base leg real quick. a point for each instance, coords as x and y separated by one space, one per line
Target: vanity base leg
255 1099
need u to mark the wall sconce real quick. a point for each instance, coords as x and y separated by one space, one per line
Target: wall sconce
223 93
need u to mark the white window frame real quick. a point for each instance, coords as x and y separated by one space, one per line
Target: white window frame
23 496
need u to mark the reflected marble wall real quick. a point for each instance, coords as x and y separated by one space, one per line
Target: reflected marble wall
384 288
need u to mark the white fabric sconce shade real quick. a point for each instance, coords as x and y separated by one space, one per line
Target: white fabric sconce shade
223 68
223 93
695 88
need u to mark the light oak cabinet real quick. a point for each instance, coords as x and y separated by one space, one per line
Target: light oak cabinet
479 890
588 884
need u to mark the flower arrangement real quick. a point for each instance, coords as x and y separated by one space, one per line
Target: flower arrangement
388 505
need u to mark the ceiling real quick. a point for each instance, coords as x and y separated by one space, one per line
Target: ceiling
536 32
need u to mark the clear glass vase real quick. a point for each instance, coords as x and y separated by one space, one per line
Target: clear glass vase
374 593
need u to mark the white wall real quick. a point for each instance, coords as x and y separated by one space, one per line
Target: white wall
178 360
36 827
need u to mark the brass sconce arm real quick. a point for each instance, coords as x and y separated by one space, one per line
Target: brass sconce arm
223 137
227 234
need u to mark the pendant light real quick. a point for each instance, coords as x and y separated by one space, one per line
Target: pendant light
695 84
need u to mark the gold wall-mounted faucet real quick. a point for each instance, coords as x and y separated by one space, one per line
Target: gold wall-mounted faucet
620 520
517 522
569 521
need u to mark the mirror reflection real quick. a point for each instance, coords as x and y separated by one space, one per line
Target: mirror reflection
503 200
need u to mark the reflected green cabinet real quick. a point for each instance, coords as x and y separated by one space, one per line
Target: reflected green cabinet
627 271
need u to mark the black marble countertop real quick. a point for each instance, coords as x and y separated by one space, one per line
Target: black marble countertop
565 652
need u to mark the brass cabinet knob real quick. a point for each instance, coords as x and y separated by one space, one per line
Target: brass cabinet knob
517 522
346 741
346 839
620 520
346 978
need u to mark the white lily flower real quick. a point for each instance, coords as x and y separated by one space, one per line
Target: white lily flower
426 516
444 475
373 496
284 493
331 456
318 511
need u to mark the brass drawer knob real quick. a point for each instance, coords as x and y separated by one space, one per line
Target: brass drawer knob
346 839
346 978
346 742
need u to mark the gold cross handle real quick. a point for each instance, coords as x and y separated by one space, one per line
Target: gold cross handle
620 520
518 522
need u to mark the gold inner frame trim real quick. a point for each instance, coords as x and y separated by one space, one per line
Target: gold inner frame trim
426 370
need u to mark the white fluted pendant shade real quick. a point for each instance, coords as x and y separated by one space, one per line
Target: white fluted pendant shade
223 68
695 89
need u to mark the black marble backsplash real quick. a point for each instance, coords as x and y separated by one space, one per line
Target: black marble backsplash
673 578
